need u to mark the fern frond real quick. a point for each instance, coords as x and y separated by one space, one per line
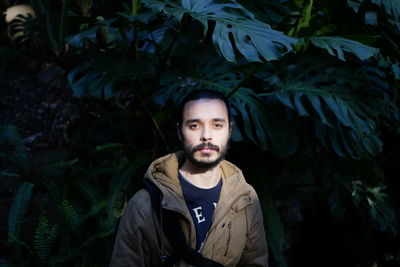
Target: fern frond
71 215
115 204
88 191
44 239
94 210
18 210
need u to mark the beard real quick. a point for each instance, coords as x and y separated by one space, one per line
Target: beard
206 162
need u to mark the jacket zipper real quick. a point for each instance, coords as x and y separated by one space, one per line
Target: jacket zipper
229 238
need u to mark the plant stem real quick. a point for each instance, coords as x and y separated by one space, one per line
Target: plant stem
61 31
154 121
248 75
135 8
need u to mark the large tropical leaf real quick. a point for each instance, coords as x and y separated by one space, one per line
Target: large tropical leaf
391 6
252 117
255 40
269 11
97 76
337 46
330 97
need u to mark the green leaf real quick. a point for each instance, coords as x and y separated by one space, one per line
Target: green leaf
97 76
156 5
332 95
78 40
337 46
355 4
71 215
316 103
339 109
299 106
9 174
371 18
18 209
255 40
115 205
61 164
9 133
372 144
396 71
274 230
110 146
336 144
88 191
44 240
392 7
95 209
285 99
145 17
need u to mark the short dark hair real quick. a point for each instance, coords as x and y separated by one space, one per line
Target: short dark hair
201 94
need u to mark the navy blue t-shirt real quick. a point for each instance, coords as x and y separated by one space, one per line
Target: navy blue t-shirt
201 204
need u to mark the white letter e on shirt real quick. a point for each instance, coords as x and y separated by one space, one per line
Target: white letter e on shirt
199 215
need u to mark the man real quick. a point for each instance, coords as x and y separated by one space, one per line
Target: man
218 212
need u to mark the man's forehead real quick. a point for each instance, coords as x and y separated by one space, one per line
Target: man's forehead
208 108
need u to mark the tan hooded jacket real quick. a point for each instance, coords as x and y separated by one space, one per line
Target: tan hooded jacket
236 236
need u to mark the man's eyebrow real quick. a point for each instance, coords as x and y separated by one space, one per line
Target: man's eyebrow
192 120
198 120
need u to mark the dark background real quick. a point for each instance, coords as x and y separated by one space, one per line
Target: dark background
88 91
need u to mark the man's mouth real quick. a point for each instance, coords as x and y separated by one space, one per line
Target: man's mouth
207 148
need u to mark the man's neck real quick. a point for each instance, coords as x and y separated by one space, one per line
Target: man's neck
199 177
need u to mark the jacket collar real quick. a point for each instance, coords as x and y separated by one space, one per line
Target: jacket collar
163 172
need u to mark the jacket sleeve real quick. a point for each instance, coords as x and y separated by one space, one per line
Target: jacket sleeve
130 246
256 251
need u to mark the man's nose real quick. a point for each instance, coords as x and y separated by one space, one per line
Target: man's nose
205 134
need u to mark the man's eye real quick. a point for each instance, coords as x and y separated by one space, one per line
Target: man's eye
218 125
193 126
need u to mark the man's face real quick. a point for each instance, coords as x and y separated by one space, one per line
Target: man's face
205 132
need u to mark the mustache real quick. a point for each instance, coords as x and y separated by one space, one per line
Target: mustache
206 145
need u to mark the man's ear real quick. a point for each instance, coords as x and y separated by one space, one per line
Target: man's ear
230 129
179 131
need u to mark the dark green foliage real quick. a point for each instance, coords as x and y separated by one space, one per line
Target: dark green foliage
313 89
44 240
18 211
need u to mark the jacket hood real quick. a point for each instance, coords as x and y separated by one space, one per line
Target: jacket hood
163 172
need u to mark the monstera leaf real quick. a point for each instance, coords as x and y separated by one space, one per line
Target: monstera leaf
255 40
344 119
391 6
337 46
97 76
